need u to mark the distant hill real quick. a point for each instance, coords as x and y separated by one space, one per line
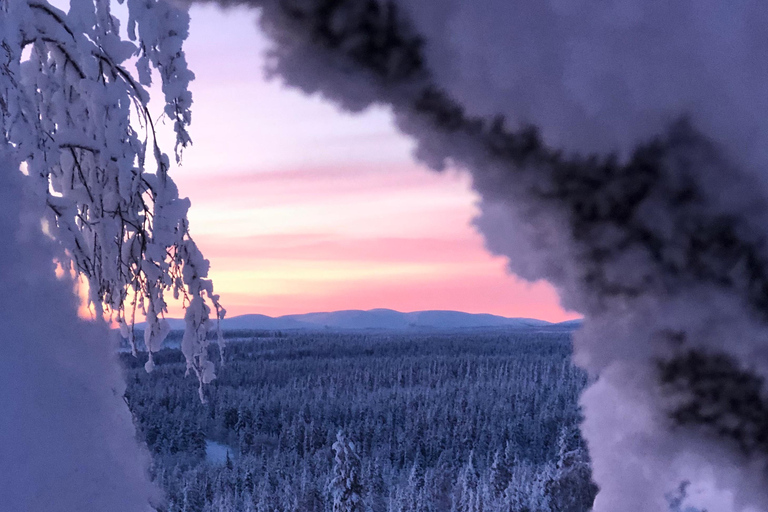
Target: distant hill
381 319
570 324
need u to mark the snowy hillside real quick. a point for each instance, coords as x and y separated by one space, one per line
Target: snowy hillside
380 319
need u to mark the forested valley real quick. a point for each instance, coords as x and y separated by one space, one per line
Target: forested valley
465 421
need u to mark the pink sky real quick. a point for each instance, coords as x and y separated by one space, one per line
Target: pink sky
302 208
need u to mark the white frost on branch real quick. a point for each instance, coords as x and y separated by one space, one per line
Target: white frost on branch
111 205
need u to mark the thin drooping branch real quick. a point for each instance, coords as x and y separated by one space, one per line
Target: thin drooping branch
67 111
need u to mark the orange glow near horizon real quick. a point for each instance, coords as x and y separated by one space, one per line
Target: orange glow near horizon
353 237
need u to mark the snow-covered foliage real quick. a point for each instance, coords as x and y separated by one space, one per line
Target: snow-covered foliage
67 439
619 150
345 488
463 420
569 487
76 121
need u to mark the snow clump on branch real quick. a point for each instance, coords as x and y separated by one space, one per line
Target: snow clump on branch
103 185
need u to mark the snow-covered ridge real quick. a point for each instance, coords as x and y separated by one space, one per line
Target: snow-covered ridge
378 319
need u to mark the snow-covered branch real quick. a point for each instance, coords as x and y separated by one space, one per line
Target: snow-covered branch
68 100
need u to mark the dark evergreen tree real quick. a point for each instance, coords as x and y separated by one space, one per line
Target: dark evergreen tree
570 488
345 488
500 474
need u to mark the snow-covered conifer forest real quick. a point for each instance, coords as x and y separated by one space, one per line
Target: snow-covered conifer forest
466 421
618 149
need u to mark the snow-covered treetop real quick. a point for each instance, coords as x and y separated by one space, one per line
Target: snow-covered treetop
75 118
345 487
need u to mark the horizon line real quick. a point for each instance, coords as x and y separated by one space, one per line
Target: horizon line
392 310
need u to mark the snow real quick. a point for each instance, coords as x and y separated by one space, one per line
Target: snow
112 205
662 245
99 185
68 440
216 453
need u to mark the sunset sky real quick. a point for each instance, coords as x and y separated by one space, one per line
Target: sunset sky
302 208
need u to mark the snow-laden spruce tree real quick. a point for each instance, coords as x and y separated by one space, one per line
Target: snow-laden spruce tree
75 120
569 488
345 487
